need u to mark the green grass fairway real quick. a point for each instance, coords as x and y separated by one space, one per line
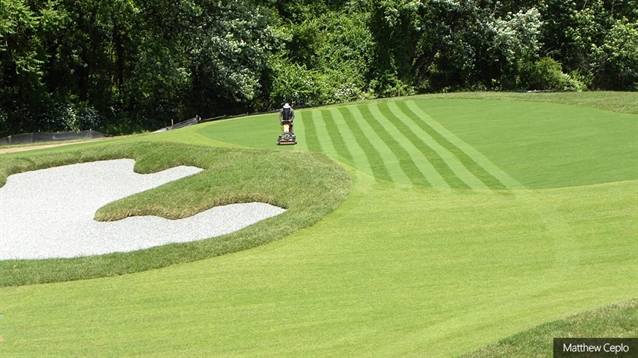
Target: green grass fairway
469 220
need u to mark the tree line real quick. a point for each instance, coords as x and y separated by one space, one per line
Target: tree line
125 65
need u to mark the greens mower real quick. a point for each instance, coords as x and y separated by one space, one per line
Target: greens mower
288 137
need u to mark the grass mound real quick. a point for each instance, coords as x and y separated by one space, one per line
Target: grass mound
308 185
617 321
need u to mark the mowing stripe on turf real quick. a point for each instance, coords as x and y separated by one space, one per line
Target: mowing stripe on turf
300 131
310 131
406 139
378 169
476 156
450 159
432 164
469 162
389 159
441 169
359 156
380 124
334 134
323 136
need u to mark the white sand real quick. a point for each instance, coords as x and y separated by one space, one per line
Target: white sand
49 213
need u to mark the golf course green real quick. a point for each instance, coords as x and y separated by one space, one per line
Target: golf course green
428 226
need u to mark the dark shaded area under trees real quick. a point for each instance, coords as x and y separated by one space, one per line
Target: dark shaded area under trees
120 66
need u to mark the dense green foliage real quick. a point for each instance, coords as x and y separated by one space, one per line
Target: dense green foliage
69 65
125 65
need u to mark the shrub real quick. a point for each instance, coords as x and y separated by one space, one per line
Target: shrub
547 74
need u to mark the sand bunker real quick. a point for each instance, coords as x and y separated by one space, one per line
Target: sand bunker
49 213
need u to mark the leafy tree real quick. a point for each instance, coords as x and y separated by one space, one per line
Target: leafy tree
85 70
327 64
122 65
397 28
514 44
442 44
615 62
237 39
583 35
25 104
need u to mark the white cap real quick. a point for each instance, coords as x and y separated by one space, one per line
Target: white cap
286 105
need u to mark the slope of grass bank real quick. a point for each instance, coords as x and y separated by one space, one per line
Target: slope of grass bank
618 321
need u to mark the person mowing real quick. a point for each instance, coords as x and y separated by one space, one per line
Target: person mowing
286 118
287 115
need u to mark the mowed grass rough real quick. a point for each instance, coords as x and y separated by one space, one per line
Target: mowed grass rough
444 245
618 320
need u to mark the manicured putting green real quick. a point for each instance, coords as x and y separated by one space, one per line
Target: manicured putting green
461 143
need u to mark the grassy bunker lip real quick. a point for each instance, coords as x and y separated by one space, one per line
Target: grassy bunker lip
308 185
